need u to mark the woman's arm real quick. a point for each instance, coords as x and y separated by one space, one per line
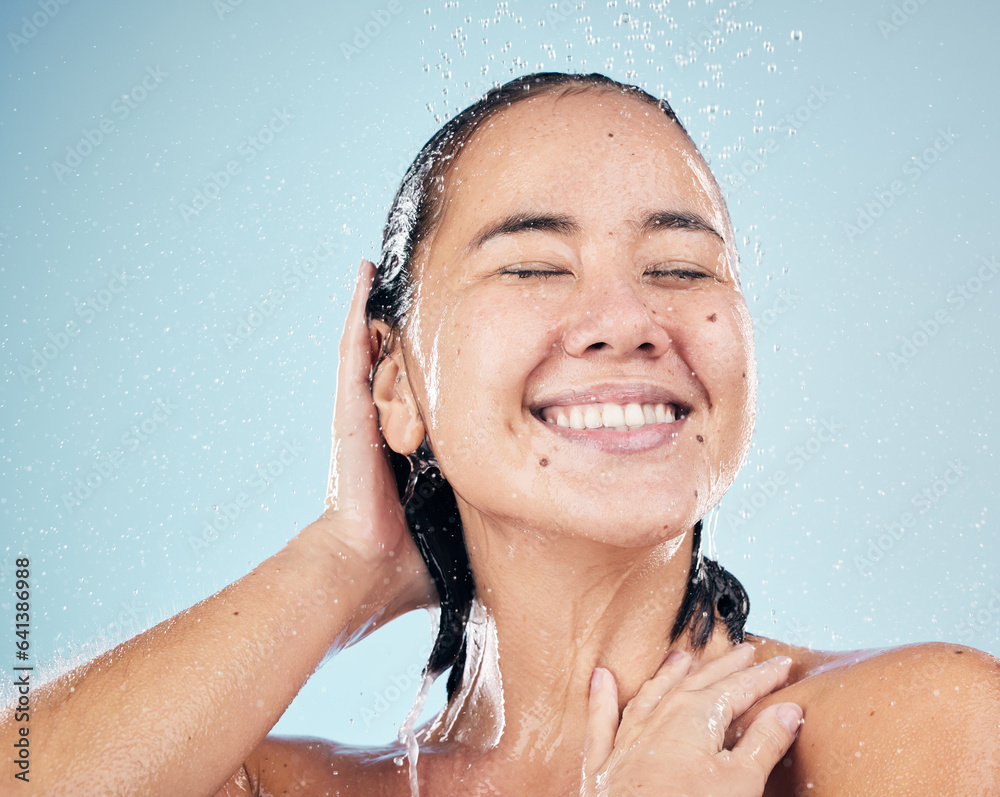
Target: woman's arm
177 709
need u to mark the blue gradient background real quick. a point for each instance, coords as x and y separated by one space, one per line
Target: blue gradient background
125 556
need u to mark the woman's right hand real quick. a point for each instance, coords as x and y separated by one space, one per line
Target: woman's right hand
363 511
670 740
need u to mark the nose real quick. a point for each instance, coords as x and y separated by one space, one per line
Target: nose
609 314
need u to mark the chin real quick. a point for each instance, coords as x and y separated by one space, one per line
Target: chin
628 523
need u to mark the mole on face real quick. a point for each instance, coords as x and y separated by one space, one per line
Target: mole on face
701 439
713 318
543 462
611 135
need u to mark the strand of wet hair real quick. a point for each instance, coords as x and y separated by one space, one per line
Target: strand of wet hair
712 594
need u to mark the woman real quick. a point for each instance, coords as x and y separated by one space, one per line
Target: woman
558 326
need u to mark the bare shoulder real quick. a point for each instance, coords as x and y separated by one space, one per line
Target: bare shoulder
306 766
919 719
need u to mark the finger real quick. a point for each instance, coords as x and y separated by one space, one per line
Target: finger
670 674
602 721
736 659
353 374
769 736
355 347
733 695
742 689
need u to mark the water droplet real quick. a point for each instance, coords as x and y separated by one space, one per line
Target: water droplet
796 35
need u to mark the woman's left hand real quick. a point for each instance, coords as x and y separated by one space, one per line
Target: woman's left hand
670 740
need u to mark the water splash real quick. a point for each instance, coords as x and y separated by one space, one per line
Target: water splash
482 685
709 525
407 735
421 461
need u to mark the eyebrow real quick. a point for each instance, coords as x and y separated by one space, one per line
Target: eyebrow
565 225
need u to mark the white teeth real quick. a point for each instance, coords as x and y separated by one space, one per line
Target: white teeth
620 417
633 414
614 415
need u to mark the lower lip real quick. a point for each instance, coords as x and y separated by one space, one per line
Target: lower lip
612 442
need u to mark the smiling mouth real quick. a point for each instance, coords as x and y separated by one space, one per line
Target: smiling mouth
618 417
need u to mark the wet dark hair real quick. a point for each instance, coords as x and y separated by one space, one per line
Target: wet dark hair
431 510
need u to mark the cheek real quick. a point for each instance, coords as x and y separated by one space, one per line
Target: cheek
483 352
720 352
734 395
723 347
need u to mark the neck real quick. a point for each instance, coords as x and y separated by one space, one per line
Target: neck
558 608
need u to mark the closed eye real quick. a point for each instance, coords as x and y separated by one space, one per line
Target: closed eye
679 273
525 273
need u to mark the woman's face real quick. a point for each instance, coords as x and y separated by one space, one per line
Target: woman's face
583 274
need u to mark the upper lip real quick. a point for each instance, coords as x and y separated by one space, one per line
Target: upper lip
611 393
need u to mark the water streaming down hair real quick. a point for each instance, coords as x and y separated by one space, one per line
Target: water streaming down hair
431 510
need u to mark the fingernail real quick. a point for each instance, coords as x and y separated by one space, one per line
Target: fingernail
675 656
596 679
791 715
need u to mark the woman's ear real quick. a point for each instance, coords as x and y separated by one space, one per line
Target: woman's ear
399 418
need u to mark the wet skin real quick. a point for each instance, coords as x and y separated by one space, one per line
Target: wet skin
916 720
597 306
525 318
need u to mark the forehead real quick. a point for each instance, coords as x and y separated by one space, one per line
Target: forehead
581 152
